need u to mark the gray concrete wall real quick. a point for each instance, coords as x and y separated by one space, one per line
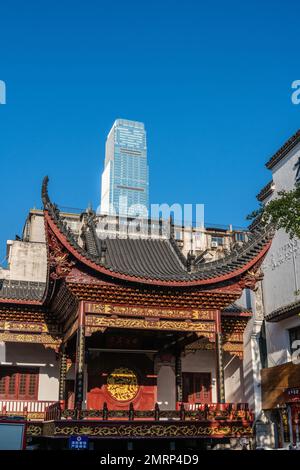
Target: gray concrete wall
27 261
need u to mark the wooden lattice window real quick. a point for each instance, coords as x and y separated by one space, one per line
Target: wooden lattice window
19 383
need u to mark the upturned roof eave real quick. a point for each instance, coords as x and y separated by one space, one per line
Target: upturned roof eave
156 282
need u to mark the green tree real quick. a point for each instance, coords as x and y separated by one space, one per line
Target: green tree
282 212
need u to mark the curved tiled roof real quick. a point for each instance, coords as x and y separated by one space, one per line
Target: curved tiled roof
153 260
143 258
22 290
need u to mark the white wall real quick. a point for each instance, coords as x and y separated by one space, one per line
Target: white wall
282 264
251 367
281 269
34 355
278 341
202 361
166 389
234 379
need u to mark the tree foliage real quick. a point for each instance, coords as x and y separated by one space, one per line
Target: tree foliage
282 212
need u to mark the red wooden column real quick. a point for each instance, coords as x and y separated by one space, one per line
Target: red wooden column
80 356
178 376
62 375
219 359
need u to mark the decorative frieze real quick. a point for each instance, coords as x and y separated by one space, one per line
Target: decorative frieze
120 310
30 327
235 349
108 322
148 429
46 340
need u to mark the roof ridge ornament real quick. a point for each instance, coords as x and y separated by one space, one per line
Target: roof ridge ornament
45 195
48 205
103 252
191 262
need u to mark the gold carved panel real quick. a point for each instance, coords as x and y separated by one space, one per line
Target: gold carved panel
109 309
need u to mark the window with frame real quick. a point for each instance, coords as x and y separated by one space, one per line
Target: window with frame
294 334
240 237
218 240
19 383
178 235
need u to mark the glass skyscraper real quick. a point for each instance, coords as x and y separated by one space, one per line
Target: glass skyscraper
125 185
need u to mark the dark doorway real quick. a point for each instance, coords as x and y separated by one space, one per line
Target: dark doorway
197 387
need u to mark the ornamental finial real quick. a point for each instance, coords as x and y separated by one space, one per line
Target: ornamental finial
45 196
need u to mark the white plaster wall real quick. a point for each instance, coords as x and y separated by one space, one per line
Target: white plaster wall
234 379
282 264
166 390
278 341
281 269
34 355
284 172
248 365
202 361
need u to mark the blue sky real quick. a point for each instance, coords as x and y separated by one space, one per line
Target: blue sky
210 80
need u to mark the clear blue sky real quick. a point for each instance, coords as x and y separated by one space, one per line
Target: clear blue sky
210 80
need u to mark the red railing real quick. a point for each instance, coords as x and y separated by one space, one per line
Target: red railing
54 411
212 406
211 411
31 409
184 412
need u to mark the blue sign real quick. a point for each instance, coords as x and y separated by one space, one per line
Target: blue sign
79 442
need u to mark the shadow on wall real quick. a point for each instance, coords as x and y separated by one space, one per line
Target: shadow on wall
234 379
31 355
250 365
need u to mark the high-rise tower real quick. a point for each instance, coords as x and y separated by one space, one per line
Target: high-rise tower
125 177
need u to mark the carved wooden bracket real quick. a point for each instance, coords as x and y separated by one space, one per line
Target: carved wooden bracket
251 279
59 261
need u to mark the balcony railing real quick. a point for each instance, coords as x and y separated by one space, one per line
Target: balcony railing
30 409
184 412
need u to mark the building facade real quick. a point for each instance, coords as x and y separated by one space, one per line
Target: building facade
281 294
125 179
125 336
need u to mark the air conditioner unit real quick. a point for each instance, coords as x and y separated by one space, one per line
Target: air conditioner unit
214 244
